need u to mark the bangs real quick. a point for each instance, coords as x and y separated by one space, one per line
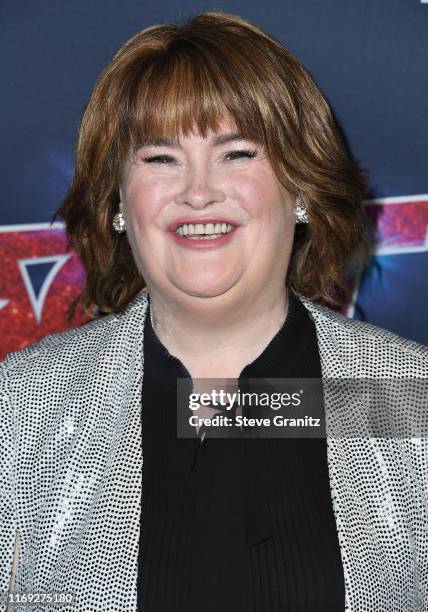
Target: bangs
187 90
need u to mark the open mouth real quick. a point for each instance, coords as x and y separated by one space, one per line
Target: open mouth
200 231
203 235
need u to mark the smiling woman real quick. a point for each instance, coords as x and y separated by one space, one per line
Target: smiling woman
172 203
248 111
213 205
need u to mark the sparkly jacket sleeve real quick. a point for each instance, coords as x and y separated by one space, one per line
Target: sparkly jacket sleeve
8 518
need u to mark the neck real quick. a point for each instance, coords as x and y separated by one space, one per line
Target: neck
219 336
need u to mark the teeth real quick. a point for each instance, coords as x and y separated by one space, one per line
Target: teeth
200 229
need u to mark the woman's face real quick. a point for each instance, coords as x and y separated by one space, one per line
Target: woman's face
207 181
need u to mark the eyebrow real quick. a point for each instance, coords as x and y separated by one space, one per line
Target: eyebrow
169 142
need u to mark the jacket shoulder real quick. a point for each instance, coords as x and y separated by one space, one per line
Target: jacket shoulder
96 343
73 341
368 339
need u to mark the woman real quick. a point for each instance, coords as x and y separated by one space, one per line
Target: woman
211 128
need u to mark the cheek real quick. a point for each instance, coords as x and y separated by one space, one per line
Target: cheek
143 201
258 192
252 194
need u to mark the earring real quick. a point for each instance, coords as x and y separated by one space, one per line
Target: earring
119 221
301 213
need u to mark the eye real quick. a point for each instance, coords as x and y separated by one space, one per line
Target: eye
163 159
241 153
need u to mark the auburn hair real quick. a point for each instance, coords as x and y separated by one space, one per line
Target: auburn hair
173 79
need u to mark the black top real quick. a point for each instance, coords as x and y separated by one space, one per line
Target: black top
236 524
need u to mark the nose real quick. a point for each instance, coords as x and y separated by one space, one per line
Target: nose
199 190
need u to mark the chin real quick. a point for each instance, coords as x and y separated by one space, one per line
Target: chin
205 290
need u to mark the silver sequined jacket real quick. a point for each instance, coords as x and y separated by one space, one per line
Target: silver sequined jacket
71 464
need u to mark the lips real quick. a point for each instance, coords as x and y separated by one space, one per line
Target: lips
194 220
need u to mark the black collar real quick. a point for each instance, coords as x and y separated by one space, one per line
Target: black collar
292 352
